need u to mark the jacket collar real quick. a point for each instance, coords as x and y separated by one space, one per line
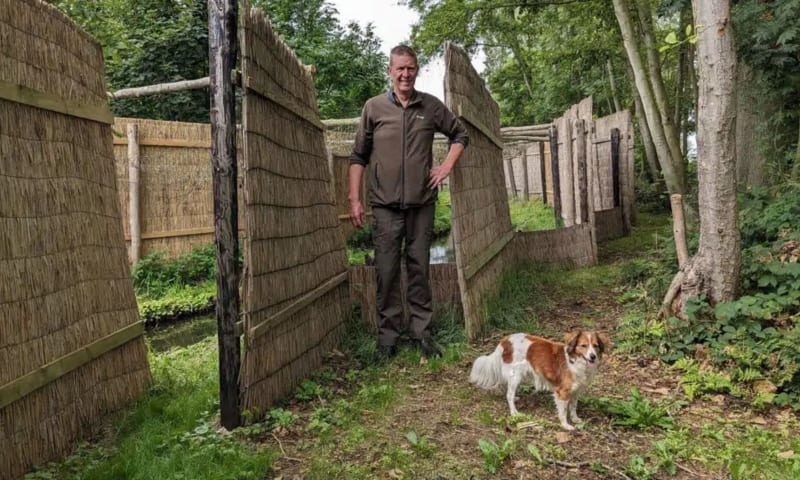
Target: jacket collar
416 97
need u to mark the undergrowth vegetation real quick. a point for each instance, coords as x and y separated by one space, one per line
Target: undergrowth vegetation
748 348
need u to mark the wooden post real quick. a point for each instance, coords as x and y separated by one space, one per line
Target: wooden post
222 18
615 164
133 192
525 186
679 229
583 185
556 180
512 182
543 171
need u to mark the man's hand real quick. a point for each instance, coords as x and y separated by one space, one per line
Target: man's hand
357 217
438 174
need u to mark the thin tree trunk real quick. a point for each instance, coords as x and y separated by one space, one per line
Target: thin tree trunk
133 192
654 68
671 166
613 84
714 270
750 108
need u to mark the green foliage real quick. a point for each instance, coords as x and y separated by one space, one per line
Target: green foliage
540 58
495 454
309 390
155 273
169 433
531 216
421 445
637 412
348 60
178 302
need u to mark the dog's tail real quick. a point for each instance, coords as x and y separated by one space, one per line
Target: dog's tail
487 370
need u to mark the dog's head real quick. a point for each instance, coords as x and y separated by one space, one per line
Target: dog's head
587 346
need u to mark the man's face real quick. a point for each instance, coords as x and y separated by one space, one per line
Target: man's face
403 72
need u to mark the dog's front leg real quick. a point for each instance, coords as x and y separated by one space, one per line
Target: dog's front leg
573 406
562 405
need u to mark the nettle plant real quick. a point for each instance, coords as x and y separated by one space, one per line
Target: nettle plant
752 340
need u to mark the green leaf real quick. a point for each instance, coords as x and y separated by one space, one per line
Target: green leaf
671 38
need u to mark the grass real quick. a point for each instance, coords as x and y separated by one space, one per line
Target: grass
171 433
410 418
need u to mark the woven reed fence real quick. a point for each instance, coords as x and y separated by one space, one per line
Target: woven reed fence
481 223
71 347
295 296
523 170
175 199
603 187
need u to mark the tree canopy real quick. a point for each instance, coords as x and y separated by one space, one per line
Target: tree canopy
147 42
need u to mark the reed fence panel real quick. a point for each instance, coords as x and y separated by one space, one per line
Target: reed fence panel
71 346
295 295
481 223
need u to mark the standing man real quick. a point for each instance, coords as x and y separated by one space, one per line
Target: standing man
395 145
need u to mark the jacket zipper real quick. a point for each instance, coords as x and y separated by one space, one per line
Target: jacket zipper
403 162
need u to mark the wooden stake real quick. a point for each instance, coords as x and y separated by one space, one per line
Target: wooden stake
525 185
133 192
583 185
222 18
679 229
543 172
556 179
511 180
615 164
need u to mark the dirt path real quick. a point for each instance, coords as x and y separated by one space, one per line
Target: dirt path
435 421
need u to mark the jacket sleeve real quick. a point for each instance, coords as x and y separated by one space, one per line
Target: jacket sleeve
448 124
362 146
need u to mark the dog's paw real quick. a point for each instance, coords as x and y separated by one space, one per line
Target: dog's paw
576 419
567 427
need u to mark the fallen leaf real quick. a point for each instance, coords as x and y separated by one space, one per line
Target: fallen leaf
525 425
759 420
423 361
396 473
786 455
562 437
764 386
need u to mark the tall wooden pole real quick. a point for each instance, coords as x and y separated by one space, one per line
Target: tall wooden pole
543 171
222 17
556 178
512 181
615 165
525 184
580 157
133 192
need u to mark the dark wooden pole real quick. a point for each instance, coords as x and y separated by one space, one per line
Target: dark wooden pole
526 194
615 164
556 179
543 171
222 17
512 182
583 184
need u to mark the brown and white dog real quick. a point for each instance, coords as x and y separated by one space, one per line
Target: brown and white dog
565 369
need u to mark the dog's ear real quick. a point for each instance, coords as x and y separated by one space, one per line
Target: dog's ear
571 339
605 342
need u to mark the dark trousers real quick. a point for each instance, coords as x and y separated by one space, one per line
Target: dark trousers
390 227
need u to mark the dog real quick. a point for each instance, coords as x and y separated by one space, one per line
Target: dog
565 369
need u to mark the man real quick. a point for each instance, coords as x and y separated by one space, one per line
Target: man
395 144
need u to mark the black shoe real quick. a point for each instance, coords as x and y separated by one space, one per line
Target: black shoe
386 352
428 348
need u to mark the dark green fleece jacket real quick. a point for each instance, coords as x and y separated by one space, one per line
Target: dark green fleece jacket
396 146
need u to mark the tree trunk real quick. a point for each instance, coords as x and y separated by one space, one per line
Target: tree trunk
613 85
714 270
672 166
671 133
651 157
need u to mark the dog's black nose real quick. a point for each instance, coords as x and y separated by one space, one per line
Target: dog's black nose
593 357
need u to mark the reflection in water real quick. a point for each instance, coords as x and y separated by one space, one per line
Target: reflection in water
442 254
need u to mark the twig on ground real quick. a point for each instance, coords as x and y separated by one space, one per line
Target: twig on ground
280 445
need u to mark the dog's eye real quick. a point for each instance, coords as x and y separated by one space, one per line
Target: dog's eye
583 345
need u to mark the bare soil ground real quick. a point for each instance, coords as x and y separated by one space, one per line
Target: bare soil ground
452 416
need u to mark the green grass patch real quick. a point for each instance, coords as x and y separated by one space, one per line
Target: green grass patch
171 432
178 301
531 216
